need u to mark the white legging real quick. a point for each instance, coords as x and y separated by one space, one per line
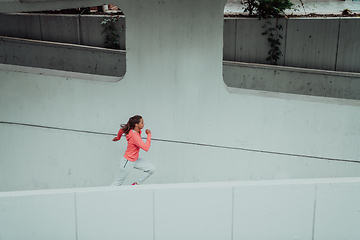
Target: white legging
126 166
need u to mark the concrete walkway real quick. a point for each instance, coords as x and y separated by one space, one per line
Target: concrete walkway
309 7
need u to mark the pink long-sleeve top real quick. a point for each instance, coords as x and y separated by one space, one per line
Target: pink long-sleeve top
134 144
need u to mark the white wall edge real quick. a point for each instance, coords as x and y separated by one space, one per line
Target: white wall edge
292 97
182 186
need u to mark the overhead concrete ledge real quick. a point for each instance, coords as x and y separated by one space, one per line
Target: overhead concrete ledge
9 6
9 1
313 82
64 57
59 73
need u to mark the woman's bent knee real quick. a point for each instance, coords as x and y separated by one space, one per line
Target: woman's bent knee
151 170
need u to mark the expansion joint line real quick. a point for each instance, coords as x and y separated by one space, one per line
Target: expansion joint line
190 143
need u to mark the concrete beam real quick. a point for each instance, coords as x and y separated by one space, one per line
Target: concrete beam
291 80
10 6
64 57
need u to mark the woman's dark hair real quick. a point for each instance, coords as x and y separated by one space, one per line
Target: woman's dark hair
131 123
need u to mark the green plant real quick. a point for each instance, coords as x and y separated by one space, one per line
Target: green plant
273 8
274 40
112 34
265 9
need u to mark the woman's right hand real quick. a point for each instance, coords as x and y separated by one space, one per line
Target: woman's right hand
147 131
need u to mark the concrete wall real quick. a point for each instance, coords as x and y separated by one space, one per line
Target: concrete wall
75 29
70 58
57 131
313 209
292 80
65 57
317 43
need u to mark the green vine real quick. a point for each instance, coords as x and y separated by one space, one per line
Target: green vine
112 34
274 40
265 9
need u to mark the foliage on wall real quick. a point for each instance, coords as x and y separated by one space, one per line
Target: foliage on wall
111 33
265 9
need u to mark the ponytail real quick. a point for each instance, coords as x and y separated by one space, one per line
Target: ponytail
131 123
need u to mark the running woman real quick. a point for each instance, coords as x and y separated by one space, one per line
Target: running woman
131 158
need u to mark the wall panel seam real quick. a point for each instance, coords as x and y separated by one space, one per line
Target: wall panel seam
76 220
232 212
314 213
153 195
285 41
337 45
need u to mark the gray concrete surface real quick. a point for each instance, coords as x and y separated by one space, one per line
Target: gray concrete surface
61 56
106 62
292 80
69 28
208 134
314 43
317 43
304 209
174 79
